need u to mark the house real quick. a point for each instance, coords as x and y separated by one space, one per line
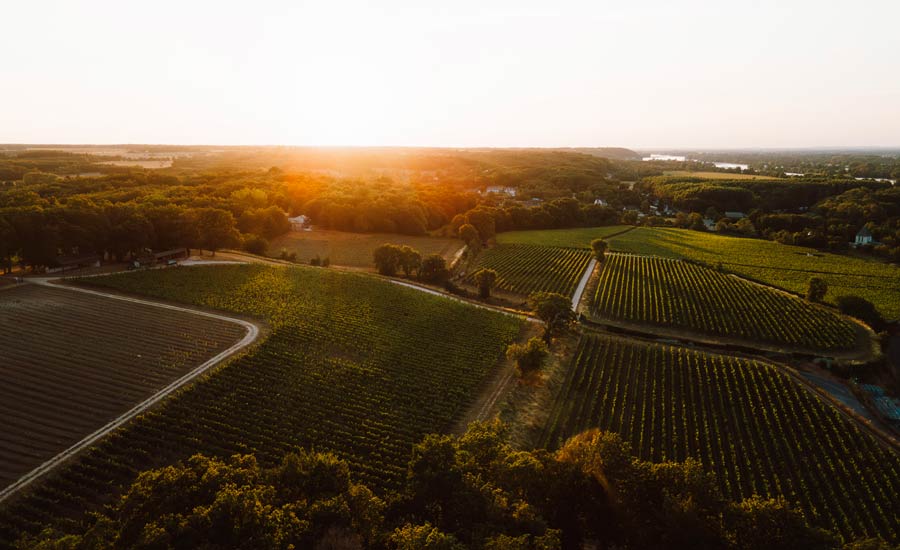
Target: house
863 237
68 263
709 224
500 190
299 223
148 258
600 202
171 257
735 215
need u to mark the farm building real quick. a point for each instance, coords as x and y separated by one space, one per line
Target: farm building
169 257
299 223
735 215
68 263
863 237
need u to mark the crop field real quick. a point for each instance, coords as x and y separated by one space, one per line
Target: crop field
524 269
580 237
784 266
708 175
72 362
356 249
758 429
675 293
353 364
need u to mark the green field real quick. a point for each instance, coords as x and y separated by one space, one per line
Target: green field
580 237
355 249
717 175
524 269
352 364
758 429
784 266
676 293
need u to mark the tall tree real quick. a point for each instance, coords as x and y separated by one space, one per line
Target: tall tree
485 278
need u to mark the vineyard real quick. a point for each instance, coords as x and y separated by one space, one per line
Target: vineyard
524 269
72 362
353 364
679 294
785 266
760 431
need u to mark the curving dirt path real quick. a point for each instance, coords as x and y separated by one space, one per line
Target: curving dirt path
253 332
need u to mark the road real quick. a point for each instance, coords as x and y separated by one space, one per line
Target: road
252 334
576 299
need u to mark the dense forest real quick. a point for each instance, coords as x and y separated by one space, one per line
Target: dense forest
60 203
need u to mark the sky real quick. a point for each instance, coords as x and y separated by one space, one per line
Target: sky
653 74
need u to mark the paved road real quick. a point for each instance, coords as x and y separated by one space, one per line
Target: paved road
249 338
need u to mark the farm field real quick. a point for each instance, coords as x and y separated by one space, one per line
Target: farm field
72 362
353 364
717 175
676 293
524 269
580 237
356 249
758 429
784 266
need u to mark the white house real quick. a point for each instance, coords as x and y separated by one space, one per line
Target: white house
500 190
600 202
298 223
864 237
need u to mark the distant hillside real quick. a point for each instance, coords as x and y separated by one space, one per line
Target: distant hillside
616 153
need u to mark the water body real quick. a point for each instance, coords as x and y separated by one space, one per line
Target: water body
731 165
666 157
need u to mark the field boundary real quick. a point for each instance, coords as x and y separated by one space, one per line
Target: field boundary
253 332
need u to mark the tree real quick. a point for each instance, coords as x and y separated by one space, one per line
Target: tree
485 278
483 221
862 309
469 235
423 537
817 289
409 260
387 259
255 244
555 310
210 503
599 246
216 229
771 523
434 269
528 357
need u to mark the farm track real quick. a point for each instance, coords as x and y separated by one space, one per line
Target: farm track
110 386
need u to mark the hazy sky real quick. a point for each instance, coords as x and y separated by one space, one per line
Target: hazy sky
722 73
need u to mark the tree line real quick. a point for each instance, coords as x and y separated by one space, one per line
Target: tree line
472 491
